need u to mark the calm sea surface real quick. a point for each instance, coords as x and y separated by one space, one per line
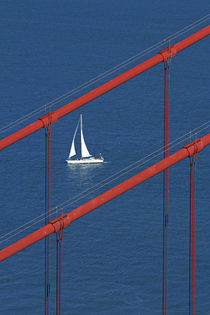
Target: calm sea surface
112 260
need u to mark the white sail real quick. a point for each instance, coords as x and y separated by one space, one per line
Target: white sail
86 157
72 151
84 150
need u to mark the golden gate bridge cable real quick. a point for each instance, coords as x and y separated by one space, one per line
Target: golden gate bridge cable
82 193
92 189
103 75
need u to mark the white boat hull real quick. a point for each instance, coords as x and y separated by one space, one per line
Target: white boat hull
85 161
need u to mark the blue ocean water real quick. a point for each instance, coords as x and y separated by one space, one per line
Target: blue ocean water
113 256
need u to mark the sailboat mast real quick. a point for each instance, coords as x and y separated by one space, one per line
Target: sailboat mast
80 122
81 133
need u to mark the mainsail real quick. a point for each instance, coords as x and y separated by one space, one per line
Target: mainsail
84 150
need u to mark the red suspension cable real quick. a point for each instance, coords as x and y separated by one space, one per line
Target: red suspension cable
192 223
104 88
54 226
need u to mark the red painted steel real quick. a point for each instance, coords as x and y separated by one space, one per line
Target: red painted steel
59 271
104 88
166 186
64 220
192 224
47 214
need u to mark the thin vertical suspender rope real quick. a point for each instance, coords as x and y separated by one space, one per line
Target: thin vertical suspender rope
59 271
192 233
47 214
166 186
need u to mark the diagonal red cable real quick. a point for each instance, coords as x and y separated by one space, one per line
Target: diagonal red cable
55 225
104 88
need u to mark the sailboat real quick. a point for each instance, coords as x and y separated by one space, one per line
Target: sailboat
86 157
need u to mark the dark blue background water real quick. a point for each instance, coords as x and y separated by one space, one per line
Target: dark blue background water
113 256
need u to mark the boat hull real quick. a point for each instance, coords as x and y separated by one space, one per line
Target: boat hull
85 161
